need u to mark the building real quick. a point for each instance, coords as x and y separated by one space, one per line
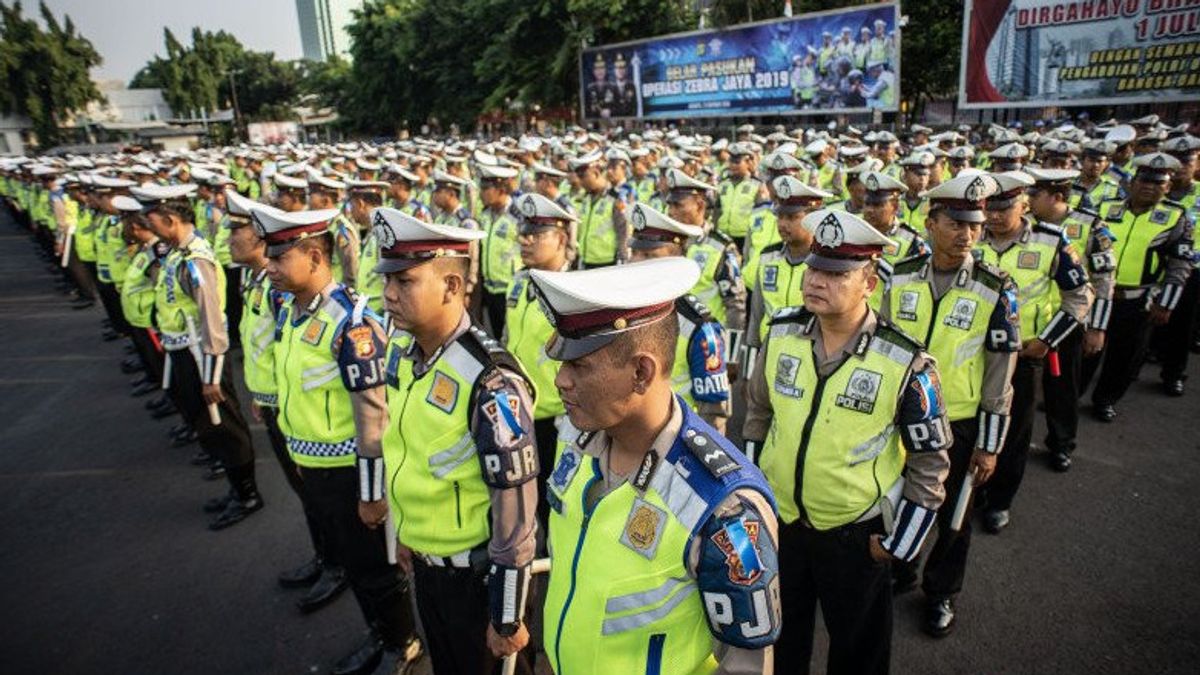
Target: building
323 27
128 106
13 130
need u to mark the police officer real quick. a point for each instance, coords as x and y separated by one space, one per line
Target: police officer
603 229
964 310
1174 341
700 374
260 314
460 452
1152 243
781 266
662 533
326 193
763 231
1095 184
190 318
400 182
291 193
332 412
1091 244
111 252
914 206
849 416
1040 260
545 245
137 290
737 194
500 253
363 197
881 208
721 288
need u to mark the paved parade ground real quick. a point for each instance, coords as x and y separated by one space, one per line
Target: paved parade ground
106 564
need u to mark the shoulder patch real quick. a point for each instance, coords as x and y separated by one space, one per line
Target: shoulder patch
989 275
1048 228
777 246
888 333
692 309
710 453
791 315
911 264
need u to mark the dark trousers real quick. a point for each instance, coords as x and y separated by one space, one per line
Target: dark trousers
1010 465
1128 337
494 305
110 298
1173 342
148 352
228 441
291 473
547 447
80 275
233 303
834 568
381 591
1061 394
453 603
946 564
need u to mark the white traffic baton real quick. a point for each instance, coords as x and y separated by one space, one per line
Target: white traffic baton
538 566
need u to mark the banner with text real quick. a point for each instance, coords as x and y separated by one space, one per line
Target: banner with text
1032 53
825 62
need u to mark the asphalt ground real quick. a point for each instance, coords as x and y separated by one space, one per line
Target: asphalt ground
106 564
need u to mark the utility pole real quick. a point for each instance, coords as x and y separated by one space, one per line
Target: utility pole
237 113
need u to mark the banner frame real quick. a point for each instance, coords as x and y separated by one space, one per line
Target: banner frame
963 104
894 4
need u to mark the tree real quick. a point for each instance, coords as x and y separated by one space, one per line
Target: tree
930 47
46 72
202 77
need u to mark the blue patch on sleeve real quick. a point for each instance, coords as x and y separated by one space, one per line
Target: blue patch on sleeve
507 413
930 394
706 364
738 579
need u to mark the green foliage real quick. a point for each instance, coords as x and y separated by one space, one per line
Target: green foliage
44 71
930 50
204 75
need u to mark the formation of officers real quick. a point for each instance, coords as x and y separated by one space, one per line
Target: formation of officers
477 362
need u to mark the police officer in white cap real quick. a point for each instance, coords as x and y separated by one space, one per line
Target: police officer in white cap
326 193
848 413
1091 242
1095 184
1039 260
780 269
964 311
721 287
700 374
460 452
190 318
500 254
291 193
1153 247
737 194
649 502
545 245
914 207
329 374
881 208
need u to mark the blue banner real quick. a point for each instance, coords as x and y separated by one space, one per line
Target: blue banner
827 62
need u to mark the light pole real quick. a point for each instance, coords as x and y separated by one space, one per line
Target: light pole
237 113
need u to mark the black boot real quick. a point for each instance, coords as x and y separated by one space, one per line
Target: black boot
400 660
363 659
303 576
328 587
235 512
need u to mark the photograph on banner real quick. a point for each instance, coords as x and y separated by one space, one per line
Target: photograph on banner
273 133
824 62
1034 53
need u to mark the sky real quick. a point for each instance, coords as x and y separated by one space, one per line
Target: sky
128 33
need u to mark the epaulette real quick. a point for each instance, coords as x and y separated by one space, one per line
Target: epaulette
990 275
791 315
722 238
777 246
886 332
492 356
709 452
1048 228
1086 211
690 307
911 264
1173 204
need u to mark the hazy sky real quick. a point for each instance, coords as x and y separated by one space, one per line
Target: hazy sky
128 33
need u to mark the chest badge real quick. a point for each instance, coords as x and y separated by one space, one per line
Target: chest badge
909 301
444 392
962 314
861 391
644 528
770 278
313 332
787 367
1029 260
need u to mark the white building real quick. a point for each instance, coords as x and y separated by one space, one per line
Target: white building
12 132
323 27
128 106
